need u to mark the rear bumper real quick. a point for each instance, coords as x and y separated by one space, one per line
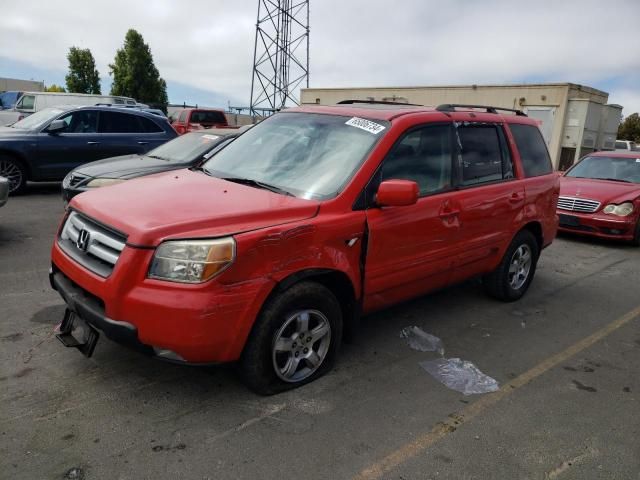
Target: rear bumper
598 225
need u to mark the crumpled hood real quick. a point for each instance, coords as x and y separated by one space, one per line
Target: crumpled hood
188 204
604 191
127 166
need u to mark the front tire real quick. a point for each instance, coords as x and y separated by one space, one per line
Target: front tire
14 171
294 340
636 238
512 278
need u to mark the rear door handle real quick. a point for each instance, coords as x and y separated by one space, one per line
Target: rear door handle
143 143
93 143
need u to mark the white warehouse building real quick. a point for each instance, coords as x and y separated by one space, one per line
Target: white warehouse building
575 120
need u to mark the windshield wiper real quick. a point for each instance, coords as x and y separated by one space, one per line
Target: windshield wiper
618 180
256 183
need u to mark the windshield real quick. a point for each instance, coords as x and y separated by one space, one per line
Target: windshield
608 168
308 155
37 119
186 148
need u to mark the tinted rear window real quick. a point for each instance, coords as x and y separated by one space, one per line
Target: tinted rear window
533 150
200 116
118 122
149 126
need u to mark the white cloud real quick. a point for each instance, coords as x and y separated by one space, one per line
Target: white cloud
629 99
208 44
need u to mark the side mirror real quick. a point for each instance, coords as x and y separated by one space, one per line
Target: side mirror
397 193
57 126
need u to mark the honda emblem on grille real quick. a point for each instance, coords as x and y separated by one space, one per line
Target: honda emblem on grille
83 240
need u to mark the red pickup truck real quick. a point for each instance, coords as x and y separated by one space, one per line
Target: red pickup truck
275 246
191 119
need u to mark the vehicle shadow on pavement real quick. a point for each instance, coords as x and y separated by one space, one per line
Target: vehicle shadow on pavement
43 188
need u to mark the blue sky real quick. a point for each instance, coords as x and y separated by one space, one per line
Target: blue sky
204 48
177 92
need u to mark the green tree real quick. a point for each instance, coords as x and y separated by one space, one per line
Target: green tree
55 88
629 129
134 73
83 77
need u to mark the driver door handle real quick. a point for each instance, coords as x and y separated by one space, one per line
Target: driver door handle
143 143
93 143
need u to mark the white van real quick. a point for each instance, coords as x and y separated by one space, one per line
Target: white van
32 102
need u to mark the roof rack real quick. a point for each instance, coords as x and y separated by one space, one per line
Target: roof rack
376 102
451 107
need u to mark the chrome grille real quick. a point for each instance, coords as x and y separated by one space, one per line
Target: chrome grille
578 204
92 245
75 179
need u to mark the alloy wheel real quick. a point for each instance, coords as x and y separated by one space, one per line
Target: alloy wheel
11 172
301 345
520 266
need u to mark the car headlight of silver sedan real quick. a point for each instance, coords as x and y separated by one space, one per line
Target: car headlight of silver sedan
623 210
192 261
103 182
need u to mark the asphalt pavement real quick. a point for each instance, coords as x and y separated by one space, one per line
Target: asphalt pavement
567 358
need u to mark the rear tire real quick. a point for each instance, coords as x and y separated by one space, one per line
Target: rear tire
13 170
294 341
512 278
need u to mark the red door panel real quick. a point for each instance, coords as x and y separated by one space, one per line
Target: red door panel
411 250
488 217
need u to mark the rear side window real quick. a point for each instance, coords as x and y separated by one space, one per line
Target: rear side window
424 156
200 116
533 151
483 157
117 122
149 126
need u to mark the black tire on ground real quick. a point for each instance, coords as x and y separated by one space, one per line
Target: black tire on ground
500 283
257 364
636 237
14 170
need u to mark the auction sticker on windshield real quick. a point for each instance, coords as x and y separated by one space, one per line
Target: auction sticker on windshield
366 125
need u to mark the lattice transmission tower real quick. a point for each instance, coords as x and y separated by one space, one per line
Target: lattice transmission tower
280 56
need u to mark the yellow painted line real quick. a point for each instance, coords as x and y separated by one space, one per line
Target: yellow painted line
451 423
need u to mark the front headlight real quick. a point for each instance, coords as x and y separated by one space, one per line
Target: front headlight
622 210
103 182
192 261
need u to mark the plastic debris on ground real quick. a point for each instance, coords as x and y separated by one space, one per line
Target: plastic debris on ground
422 341
460 375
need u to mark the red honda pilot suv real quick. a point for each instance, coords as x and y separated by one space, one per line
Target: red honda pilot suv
277 245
